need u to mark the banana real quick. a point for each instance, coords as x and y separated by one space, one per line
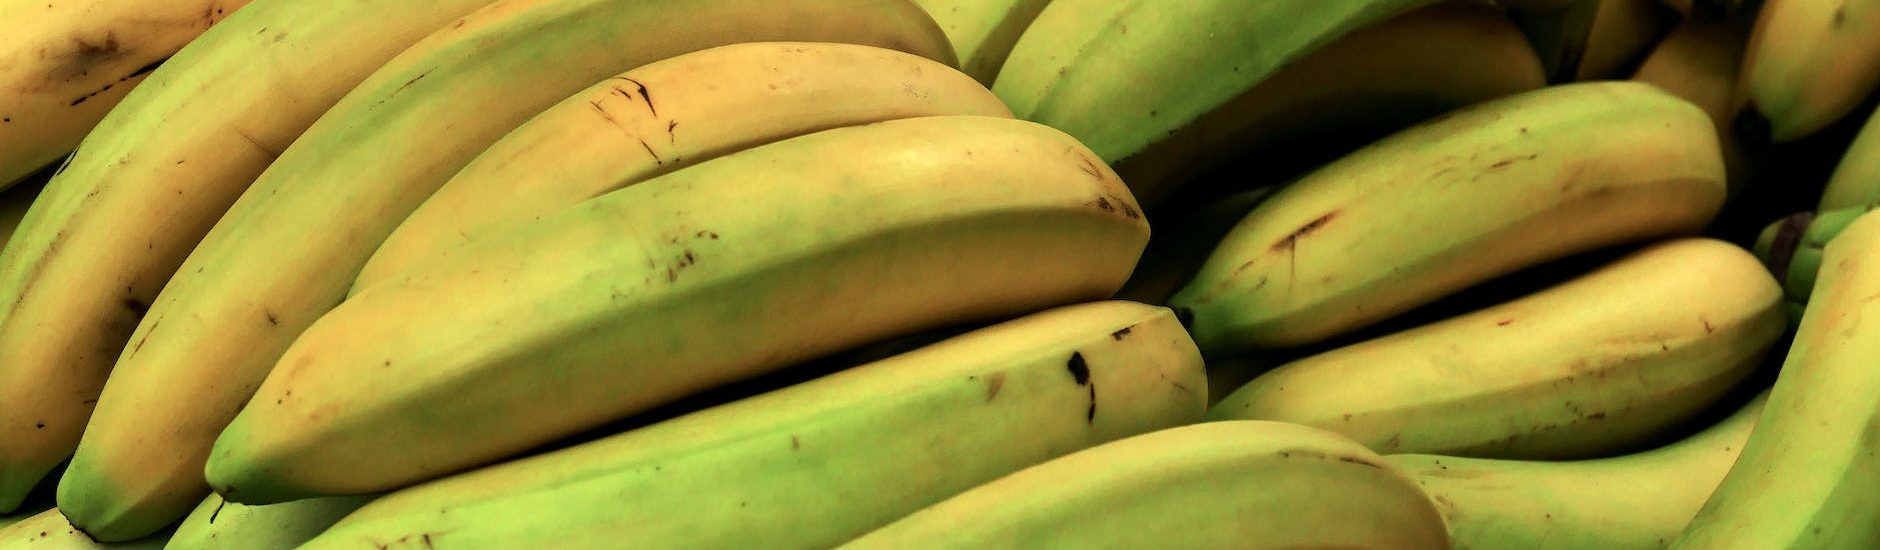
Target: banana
1699 61
49 530
1809 63
1638 501
1622 35
820 463
1803 479
1793 247
114 224
1083 64
217 524
1539 175
709 103
983 31
1856 179
1601 362
1708 10
1173 256
1217 485
912 224
287 250
63 65
1375 80
1559 34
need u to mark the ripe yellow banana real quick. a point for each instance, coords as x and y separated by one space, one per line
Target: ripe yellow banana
1700 61
1601 362
1809 63
217 524
1459 200
1622 35
1856 179
709 103
1216 485
1639 501
49 530
863 233
820 463
983 31
286 252
1803 479
1376 80
112 226
64 64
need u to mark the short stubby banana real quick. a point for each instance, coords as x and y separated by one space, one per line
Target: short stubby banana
820 463
286 252
1805 477
1477 193
704 276
1856 179
1634 502
1601 362
64 64
218 524
1246 484
710 103
983 31
49 530
1810 62
1376 80
1121 75
151 178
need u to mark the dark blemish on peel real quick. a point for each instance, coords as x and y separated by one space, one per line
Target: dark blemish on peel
136 306
1080 371
643 94
1503 322
1293 238
1119 335
1091 415
272 318
217 512
993 384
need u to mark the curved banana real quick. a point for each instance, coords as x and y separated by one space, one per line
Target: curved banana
1539 175
49 530
1809 63
287 251
112 226
1216 485
1639 501
1700 61
1601 362
217 524
806 466
1802 480
1856 179
1621 36
1375 80
907 225
63 65
983 31
710 103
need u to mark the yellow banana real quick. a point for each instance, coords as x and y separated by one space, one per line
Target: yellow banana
983 31
1604 361
1639 501
1699 61
1809 63
1623 33
909 224
1539 175
1803 479
114 224
819 463
710 103
288 249
49 530
217 524
1242 484
1856 179
64 64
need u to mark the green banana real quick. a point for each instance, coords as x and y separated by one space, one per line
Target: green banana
286 252
1601 362
1638 501
1856 180
1809 63
1803 478
1243 484
1477 193
1792 248
218 524
820 463
983 31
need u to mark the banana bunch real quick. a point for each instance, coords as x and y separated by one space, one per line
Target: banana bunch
1600 363
1245 484
218 524
820 463
1810 63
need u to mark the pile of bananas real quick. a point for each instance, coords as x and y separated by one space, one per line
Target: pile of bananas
495 274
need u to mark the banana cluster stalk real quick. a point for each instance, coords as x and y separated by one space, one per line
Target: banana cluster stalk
1634 502
1475 194
820 463
218 524
1244 484
1810 62
983 31
1602 362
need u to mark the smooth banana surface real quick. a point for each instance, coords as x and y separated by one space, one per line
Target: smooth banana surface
1602 362
217 524
1701 61
1856 179
1622 34
1810 62
1541 175
49 530
1242 484
983 31
710 103
820 463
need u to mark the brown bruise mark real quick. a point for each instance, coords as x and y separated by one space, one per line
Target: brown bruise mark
1292 239
83 57
644 94
1360 461
271 153
795 443
1121 334
407 84
1504 322
993 384
272 318
1708 328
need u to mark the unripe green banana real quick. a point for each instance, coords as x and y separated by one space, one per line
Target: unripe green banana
1475 194
1856 180
49 530
820 463
1601 362
1639 501
983 31
1249 485
1803 480
1809 63
218 524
